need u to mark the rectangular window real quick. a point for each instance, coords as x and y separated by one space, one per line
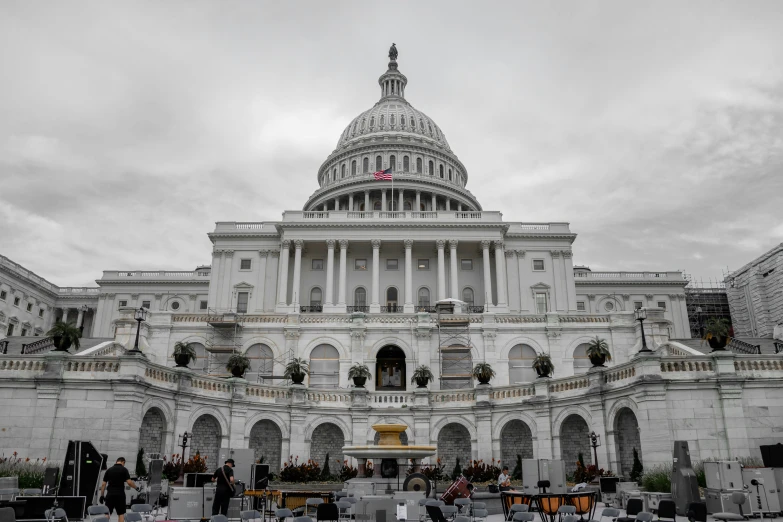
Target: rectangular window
360 264
242 302
467 264
244 264
637 305
580 306
424 264
541 304
202 305
40 312
3 294
16 301
123 303
145 304
24 332
10 330
538 265
29 307
662 304
318 264
392 264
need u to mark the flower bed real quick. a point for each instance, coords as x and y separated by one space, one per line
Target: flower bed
30 473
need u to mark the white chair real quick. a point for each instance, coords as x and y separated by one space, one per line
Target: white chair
56 514
218 518
130 516
517 508
284 513
145 510
344 509
312 504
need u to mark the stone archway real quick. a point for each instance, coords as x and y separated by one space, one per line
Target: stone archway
515 439
453 444
575 439
152 431
626 436
206 439
327 438
266 440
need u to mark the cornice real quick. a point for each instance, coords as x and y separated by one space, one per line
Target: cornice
635 282
355 225
102 282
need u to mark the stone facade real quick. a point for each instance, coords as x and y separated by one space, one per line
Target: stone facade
575 440
627 435
327 439
755 294
152 431
206 439
515 440
267 441
454 443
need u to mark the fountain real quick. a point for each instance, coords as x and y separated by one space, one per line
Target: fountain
389 458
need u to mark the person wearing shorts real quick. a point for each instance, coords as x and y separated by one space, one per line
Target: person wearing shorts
113 487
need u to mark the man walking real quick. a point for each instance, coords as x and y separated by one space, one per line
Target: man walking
115 478
224 490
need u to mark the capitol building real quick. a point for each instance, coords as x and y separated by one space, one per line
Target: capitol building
354 277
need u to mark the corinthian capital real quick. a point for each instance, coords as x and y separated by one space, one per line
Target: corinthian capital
343 244
408 244
498 245
286 244
330 243
453 244
440 243
485 244
376 243
555 253
298 244
568 254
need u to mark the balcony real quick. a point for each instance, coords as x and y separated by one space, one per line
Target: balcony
358 308
311 309
199 276
392 309
584 276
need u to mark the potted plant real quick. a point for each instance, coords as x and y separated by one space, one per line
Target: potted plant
359 373
543 365
598 351
184 353
296 370
237 364
422 376
64 335
717 333
483 372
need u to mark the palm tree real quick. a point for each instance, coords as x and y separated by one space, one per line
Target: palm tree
598 351
64 335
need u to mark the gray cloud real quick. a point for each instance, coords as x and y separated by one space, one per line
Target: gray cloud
128 128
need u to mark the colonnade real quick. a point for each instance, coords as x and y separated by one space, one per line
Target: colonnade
362 201
500 303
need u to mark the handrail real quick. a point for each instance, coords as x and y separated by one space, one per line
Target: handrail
739 346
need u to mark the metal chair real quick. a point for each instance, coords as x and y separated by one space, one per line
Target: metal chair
697 512
303 519
517 508
249 515
99 511
130 516
145 510
570 518
343 508
644 516
56 514
326 511
434 512
479 511
312 503
611 513
461 518
564 511
218 518
103 518
340 494
632 508
667 509
282 514
738 499
449 511
524 516
463 503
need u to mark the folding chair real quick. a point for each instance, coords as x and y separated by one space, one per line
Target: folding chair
461 518
697 512
423 509
570 518
145 510
667 509
449 511
282 514
644 516
312 503
343 507
524 516
632 508
130 516
463 503
611 513
56 514
303 519
326 511
480 511
94 512
218 518
517 508
564 511
435 513
249 515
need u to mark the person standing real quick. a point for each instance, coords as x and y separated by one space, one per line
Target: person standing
224 490
113 486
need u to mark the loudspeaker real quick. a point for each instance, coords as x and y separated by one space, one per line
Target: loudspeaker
772 455
197 480
259 478
81 470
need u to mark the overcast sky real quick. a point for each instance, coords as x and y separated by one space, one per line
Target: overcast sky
128 128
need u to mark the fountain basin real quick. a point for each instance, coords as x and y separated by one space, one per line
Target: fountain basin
389 452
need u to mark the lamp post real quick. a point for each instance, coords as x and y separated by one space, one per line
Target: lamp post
141 314
183 443
595 441
641 314
84 309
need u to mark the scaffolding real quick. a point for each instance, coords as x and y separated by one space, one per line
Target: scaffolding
224 338
454 348
705 300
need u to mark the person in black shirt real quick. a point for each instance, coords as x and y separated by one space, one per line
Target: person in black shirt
224 490
115 478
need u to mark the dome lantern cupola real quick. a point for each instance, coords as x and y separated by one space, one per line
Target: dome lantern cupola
392 82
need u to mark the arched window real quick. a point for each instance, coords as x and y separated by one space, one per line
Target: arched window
378 163
430 128
393 205
432 168
391 299
520 364
391 120
364 121
376 205
202 357
383 120
424 298
360 300
262 362
316 299
418 165
581 361
456 367
467 295
390 369
402 121
324 366
441 171
413 124
406 164
450 175
334 174
421 124
392 163
342 171
353 168
372 122
366 165
407 206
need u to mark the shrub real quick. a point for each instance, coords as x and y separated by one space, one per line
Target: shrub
141 469
171 468
517 473
196 464
457 471
480 471
29 473
368 469
701 477
292 471
637 470
326 474
588 473
658 478
431 472
347 472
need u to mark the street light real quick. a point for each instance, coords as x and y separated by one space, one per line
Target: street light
640 314
595 441
84 309
141 314
183 443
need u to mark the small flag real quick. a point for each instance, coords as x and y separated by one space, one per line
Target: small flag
383 175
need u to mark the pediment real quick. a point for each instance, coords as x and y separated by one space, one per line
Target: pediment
243 286
540 286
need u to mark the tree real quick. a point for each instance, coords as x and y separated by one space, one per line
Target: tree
141 469
637 470
517 473
325 473
457 471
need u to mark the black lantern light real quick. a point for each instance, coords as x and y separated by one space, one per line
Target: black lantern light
640 315
595 441
140 316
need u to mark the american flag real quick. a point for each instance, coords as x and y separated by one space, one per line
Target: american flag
383 175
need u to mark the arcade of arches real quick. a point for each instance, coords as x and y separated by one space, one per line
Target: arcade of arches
152 431
575 439
453 444
206 438
515 439
266 440
626 436
327 438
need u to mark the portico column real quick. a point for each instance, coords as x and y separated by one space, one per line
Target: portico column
329 271
343 257
459 207
383 199
500 274
408 308
441 270
296 298
350 201
79 317
448 203
375 305
282 283
337 203
487 276
434 202
454 282
418 201
401 204
367 201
